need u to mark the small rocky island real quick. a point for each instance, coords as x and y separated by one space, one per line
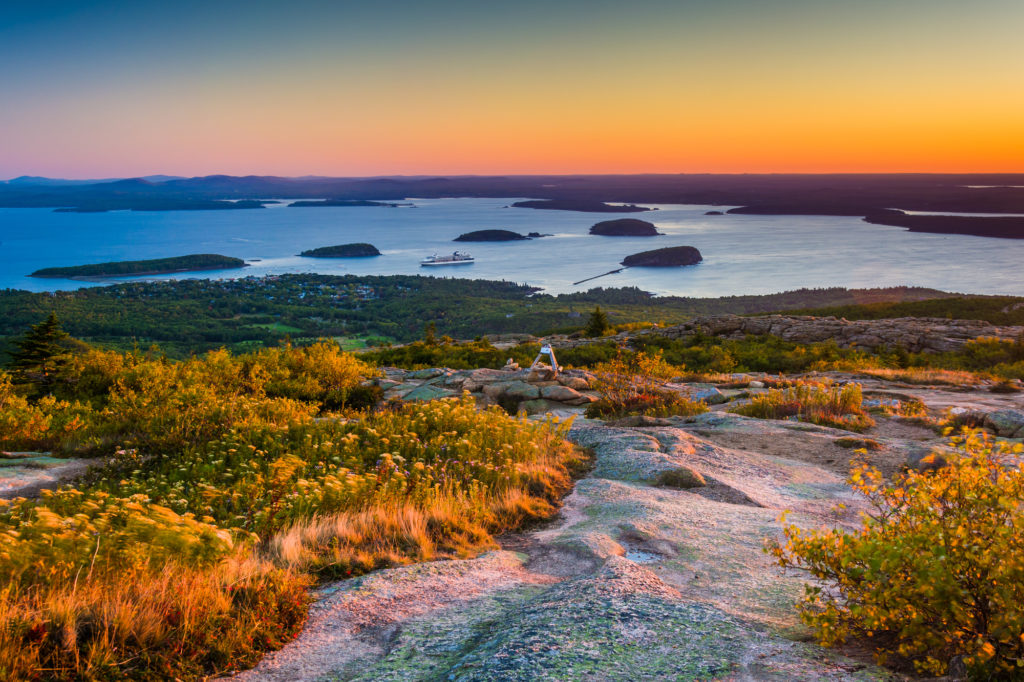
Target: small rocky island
714 213
625 227
156 266
669 257
583 205
356 250
343 203
491 236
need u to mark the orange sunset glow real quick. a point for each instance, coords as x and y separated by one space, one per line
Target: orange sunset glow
735 86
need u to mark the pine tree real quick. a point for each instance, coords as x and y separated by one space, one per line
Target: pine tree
37 354
598 323
430 333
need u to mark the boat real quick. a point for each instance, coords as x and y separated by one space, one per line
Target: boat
456 258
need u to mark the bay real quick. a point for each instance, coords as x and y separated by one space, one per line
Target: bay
743 254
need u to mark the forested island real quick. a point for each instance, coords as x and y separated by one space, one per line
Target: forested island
356 250
625 227
155 266
343 203
491 236
1005 227
669 257
582 205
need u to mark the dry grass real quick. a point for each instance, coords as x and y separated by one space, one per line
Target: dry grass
172 622
924 376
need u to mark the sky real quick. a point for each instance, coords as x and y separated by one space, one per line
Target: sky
343 88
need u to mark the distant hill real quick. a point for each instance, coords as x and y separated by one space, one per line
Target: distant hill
835 194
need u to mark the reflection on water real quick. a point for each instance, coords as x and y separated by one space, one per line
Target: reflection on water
743 254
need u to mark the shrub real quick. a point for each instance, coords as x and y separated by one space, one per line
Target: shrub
653 403
631 384
826 404
189 552
936 569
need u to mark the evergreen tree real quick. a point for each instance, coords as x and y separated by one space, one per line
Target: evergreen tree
598 323
430 333
37 354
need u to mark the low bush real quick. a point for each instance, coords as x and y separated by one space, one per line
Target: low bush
936 570
633 384
826 404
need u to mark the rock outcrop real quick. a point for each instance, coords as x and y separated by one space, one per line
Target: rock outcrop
513 388
916 334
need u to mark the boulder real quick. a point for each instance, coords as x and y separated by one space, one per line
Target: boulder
575 383
708 394
1005 423
426 373
518 390
541 373
559 393
486 376
584 399
425 393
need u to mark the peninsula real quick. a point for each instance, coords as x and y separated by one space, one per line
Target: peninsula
1005 227
343 203
356 250
582 205
669 257
625 227
155 266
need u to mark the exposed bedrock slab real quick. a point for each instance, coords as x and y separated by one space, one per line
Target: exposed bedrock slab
630 582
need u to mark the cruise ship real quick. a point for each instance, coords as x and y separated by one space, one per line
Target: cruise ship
455 259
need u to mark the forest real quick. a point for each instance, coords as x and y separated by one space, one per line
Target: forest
182 317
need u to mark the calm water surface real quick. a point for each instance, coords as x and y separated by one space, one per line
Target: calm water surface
742 254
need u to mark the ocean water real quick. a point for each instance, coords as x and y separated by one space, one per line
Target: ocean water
743 254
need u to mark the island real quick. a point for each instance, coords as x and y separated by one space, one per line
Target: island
356 250
669 257
625 227
491 236
1005 227
156 266
714 213
583 205
342 202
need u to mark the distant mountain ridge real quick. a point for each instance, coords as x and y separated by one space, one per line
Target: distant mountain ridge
835 194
